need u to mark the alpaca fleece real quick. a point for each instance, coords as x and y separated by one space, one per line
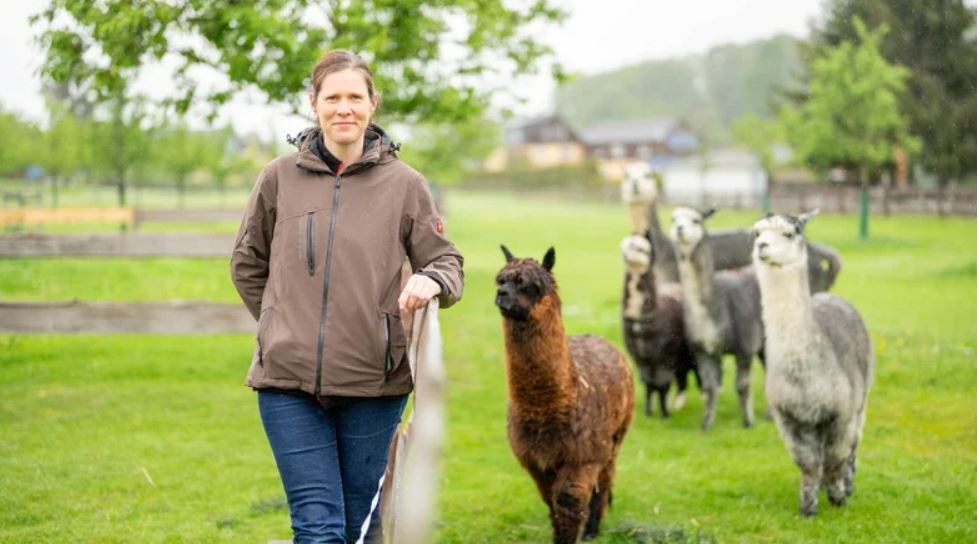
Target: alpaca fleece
570 401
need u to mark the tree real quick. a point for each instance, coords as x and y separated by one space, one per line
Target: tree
18 140
445 152
119 146
760 135
852 117
179 151
936 41
64 144
432 60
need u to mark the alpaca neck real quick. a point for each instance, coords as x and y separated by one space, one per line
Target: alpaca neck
639 298
790 325
696 268
539 368
665 266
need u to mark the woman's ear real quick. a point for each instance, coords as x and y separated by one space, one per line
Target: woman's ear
312 101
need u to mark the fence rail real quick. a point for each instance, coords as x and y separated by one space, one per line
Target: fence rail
132 244
172 317
883 200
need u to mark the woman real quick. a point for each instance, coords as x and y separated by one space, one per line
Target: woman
317 261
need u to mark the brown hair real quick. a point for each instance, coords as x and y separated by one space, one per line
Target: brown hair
338 60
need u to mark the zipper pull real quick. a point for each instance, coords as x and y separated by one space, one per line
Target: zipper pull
338 182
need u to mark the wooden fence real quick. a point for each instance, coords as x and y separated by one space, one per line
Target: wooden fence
171 317
956 200
133 244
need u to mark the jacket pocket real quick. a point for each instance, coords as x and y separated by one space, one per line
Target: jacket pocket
394 342
310 243
263 322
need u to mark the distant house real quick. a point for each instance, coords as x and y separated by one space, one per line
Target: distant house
543 142
656 141
725 176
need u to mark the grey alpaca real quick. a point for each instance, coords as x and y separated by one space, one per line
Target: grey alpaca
652 326
820 364
731 248
721 312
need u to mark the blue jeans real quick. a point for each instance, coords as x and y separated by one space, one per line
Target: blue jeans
331 460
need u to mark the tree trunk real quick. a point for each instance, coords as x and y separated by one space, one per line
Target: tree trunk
181 192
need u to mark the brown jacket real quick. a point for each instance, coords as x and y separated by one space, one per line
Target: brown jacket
317 261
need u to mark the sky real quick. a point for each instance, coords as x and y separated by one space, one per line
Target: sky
598 35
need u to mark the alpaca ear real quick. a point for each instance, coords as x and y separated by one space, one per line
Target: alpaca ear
507 254
804 218
548 261
705 214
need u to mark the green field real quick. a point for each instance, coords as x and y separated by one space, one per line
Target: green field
154 439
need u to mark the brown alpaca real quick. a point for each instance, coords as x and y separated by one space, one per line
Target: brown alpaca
570 399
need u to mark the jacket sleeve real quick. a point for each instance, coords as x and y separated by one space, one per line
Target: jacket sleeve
429 251
253 244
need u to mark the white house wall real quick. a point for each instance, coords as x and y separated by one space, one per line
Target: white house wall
685 185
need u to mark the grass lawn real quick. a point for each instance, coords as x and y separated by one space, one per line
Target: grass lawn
154 439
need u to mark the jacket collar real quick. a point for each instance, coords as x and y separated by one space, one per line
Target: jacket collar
378 146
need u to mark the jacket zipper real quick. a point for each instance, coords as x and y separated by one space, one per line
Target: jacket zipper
388 362
326 284
310 258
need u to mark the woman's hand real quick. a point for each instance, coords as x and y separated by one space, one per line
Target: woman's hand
417 292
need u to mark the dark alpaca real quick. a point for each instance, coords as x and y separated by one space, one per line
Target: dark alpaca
570 399
652 326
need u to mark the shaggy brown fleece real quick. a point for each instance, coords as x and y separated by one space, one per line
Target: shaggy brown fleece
570 400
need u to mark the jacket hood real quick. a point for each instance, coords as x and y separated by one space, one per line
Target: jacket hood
377 147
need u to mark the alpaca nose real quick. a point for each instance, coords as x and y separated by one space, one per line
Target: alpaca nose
762 245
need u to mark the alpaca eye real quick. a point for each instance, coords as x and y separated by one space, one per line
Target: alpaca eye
788 235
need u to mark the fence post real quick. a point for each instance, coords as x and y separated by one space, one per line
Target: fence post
864 211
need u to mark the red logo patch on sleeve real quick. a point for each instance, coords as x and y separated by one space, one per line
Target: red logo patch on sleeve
439 227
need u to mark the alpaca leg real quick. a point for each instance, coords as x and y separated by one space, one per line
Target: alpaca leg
837 454
572 493
545 484
664 393
649 399
850 471
681 390
743 385
709 370
809 492
834 476
804 447
600 500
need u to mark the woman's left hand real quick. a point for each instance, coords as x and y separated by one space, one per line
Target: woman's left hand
417 292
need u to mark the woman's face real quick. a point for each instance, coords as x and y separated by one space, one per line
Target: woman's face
343 107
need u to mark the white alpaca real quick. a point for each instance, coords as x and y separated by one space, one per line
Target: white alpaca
721 312
820 363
